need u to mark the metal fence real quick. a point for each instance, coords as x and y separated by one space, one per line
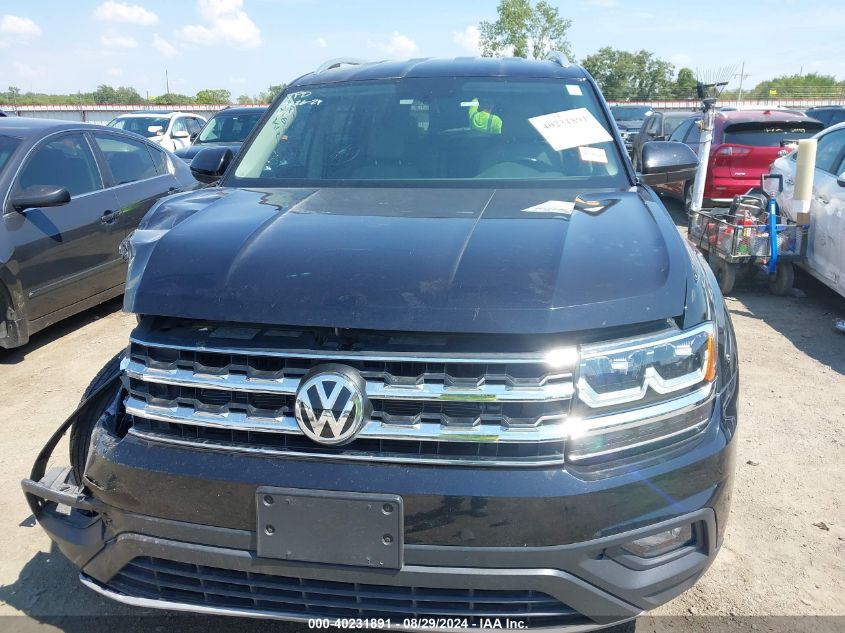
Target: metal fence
101 114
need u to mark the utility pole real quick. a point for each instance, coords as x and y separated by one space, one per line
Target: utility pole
741 76
166 81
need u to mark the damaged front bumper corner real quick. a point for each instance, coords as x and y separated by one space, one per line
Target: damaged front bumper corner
73 519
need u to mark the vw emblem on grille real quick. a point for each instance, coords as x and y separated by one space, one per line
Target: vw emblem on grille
330 403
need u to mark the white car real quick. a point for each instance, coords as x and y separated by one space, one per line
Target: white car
826 249
171 130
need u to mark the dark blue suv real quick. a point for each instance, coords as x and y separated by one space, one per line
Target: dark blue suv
429 355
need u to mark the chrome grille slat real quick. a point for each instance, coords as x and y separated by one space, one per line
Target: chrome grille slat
375 390
422 431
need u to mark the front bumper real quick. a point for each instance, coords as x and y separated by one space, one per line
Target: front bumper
174 527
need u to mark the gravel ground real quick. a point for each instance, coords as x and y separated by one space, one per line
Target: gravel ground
784 554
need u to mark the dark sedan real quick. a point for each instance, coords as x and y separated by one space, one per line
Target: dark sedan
229 128
71 193
658 126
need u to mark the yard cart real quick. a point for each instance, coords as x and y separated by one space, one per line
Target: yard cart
749 236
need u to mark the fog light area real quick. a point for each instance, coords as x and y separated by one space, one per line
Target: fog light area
661 543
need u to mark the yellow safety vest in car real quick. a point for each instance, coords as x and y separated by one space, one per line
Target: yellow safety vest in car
481 121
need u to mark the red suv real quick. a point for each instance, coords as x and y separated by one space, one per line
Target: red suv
745 143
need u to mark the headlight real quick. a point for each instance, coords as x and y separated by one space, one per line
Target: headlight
620 372
643 393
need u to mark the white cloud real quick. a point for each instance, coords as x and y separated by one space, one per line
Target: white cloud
321 42
400 46
469 39
116 40
111 11
224 22
164 48
239 81
114 72
19 27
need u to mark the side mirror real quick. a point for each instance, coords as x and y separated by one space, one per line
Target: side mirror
40 196
210 164
179 134
667 161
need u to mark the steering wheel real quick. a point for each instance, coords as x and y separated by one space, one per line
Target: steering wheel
344 155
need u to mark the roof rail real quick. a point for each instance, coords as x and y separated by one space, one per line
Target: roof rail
558 58
337 63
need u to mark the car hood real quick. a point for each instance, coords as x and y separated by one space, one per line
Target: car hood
190 151
447 260
629 124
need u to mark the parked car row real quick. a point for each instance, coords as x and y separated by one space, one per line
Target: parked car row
171 130
745 142
748 143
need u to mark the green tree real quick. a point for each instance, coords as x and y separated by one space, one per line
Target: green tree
172 98
798 86
104 95
271 93
215 96
107 95
524 30
623 75
685 84
245 100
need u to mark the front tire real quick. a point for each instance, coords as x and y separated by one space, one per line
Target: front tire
80 432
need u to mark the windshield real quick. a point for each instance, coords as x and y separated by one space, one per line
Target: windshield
670 124
229 128
434 129
630 113
8 145
769 134
148 126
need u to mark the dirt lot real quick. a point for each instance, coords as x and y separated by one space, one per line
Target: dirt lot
784 553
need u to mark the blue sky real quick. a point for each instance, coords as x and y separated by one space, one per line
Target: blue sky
246 45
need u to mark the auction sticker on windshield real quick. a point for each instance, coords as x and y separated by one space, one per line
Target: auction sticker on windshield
570 128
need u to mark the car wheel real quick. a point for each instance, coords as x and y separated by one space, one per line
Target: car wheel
784 278
80 432
725 273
